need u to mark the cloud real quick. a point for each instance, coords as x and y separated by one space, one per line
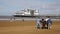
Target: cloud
2 7
43 5
51 6
22 3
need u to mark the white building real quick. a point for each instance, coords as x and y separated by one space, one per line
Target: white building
27 12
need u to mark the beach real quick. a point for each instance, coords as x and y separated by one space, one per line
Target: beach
26 27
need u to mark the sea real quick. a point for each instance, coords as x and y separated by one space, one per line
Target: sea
21 18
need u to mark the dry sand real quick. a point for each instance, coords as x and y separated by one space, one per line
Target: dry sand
26 27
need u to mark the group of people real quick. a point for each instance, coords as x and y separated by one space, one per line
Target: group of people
44 23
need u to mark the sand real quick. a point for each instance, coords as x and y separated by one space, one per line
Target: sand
26 27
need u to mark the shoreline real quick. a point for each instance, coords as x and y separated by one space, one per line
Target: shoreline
25 19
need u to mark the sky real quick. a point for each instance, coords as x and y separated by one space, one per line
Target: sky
45 7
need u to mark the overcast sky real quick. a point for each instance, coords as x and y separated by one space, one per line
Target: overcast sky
45 7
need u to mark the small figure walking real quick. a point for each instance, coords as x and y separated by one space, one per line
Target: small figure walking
11 19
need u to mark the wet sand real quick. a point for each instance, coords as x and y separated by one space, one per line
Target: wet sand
26 27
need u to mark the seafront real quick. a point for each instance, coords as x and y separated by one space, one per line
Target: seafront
26 27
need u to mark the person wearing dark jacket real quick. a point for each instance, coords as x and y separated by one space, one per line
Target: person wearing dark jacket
43 22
